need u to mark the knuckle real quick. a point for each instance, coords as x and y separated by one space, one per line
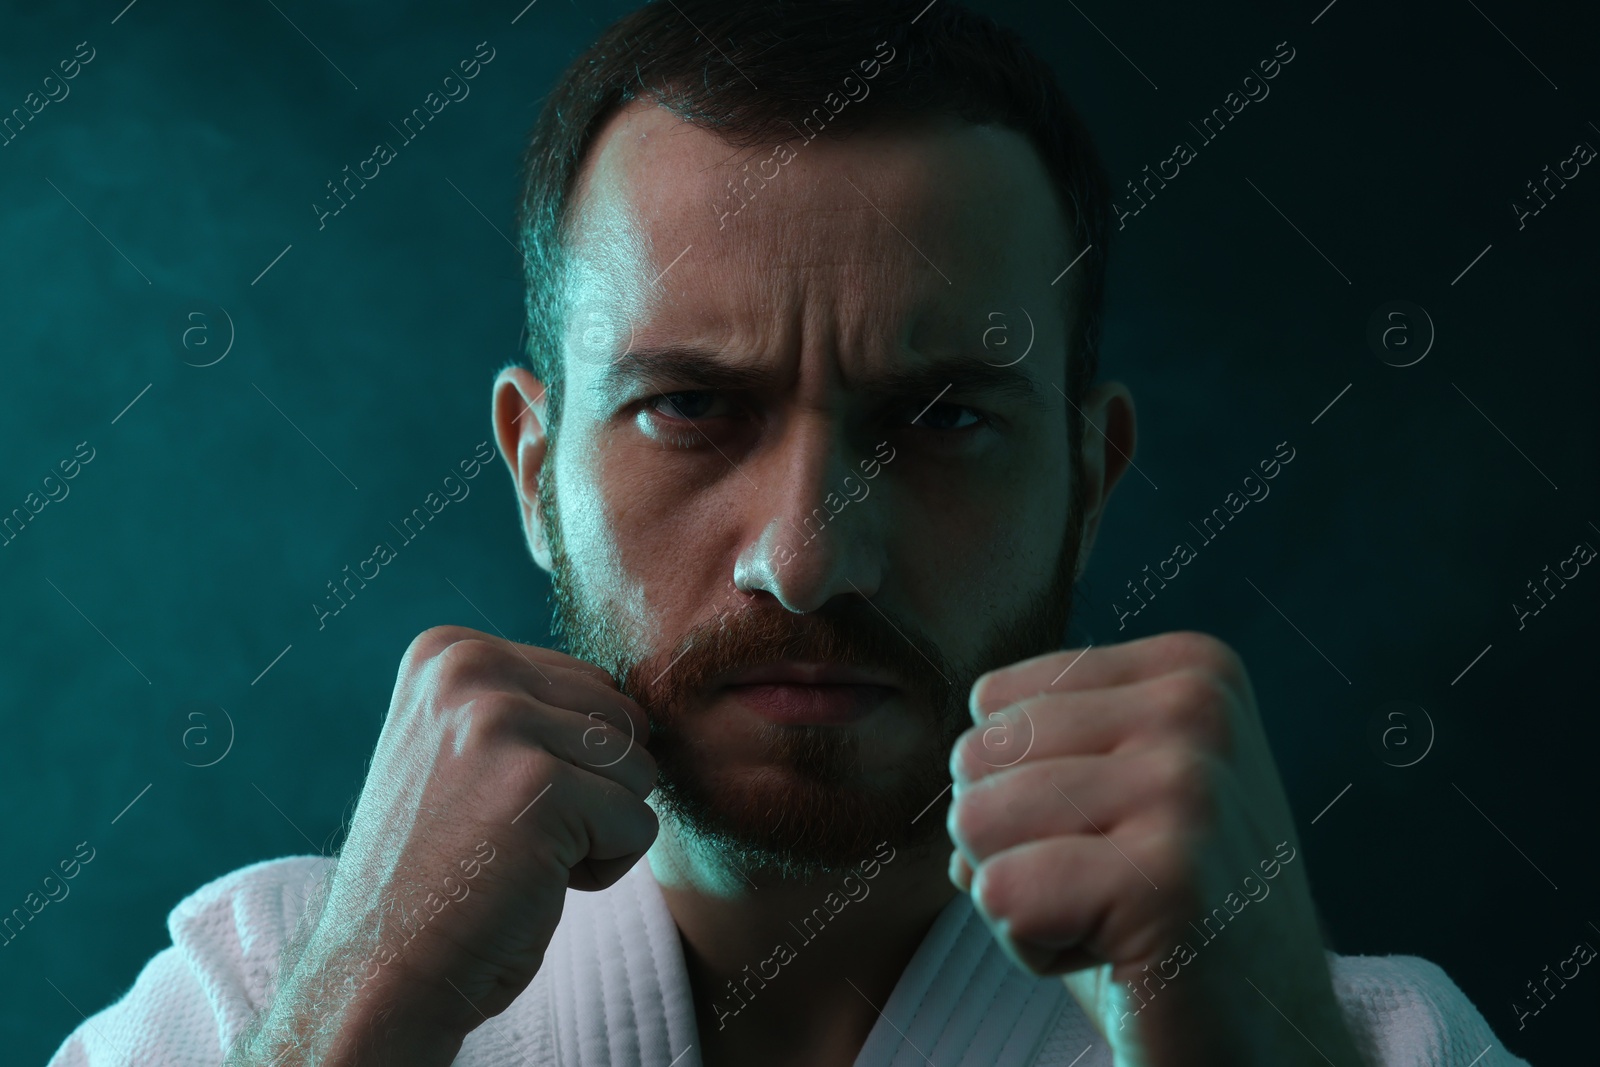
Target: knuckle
1165 854
467 658
1171 837
538 769
989 691
1195 704
1200 650
1188 785
432 641
990 746
1182 776
1004 737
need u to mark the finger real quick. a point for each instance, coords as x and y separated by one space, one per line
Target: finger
579 817
581 694
571 678
544 663
960 871
506 719
1068 796
485 662
431 642
593 875
557 658
1183 707
1095 667
590 742
588 694
1070 899
1043 961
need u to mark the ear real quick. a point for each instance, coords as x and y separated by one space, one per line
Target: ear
1109 435
520 427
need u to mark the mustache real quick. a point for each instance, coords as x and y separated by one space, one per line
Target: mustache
857 634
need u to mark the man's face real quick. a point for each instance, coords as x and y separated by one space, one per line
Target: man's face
784 438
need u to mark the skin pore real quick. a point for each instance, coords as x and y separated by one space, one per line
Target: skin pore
721 381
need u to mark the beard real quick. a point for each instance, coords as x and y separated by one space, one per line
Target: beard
811 810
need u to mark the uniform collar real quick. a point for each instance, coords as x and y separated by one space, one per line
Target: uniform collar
619 992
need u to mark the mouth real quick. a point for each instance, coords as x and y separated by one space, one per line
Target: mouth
820 705
796 693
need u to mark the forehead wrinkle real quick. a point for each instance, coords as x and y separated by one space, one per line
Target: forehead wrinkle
929 377
780 279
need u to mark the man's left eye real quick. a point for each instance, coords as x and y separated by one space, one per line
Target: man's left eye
947 417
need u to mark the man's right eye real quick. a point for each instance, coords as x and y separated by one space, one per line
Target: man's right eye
691 404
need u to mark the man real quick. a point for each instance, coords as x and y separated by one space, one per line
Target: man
812 548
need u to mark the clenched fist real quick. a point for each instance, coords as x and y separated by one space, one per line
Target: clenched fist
1112 810
504 774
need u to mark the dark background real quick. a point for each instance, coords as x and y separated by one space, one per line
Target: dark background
217 505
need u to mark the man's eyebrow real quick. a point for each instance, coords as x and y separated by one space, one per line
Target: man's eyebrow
703 368
965 377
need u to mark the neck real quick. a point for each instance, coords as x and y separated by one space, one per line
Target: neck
792 971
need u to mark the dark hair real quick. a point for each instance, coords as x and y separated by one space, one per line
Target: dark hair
748 71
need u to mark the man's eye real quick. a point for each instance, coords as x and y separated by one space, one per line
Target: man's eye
948 417
696 404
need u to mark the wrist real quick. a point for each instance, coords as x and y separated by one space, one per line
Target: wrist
393 1038
354 1039
319 1016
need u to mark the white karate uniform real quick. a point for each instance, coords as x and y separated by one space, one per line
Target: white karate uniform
614 992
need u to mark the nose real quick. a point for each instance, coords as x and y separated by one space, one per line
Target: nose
817 522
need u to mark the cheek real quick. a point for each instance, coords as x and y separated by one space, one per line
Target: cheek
997 552
593 529
1009 522
982 570
651 544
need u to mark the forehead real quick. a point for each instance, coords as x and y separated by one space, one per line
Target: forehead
923 233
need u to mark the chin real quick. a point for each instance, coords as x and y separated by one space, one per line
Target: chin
808 811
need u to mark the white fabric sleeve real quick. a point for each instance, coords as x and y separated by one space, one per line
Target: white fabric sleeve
192 999
1404 1011
164 1018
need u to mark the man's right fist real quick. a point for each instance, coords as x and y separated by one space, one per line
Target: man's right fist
504 774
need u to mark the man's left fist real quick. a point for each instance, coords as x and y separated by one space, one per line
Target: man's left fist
1112 809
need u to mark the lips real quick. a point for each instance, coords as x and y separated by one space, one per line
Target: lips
800 693
818 705
797 672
